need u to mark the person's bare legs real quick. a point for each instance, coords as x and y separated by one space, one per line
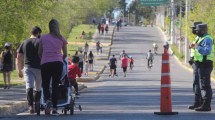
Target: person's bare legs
112 72
5 81
8 78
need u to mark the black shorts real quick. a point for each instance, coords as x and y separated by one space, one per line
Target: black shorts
112 66
7 67
90 61
124 69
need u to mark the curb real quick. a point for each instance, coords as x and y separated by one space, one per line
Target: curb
93 78
21 106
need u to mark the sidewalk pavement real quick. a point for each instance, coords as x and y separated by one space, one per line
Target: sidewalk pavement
13 100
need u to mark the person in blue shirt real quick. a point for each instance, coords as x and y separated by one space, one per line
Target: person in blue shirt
196 86
203 58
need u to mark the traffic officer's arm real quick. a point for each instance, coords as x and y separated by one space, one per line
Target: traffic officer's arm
205 47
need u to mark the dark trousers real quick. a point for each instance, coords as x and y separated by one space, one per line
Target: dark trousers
51 70
74 83
205 81
196 81
150 61
81 66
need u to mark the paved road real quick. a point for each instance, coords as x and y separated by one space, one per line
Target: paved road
137 96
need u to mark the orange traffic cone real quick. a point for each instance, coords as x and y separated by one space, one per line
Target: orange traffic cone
166 97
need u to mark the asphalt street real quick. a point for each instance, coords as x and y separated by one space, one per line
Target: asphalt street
136 96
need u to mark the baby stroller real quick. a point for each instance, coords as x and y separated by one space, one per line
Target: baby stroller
66 97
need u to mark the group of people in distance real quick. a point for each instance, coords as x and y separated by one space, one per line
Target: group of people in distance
125 60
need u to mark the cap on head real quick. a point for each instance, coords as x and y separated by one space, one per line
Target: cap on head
201 27
195 24
7 44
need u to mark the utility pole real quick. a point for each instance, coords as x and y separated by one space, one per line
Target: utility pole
180 27
172 34
186 49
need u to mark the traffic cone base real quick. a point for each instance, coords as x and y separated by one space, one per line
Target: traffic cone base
166 113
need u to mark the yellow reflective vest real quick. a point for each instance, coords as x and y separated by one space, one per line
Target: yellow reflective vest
192 50
199 57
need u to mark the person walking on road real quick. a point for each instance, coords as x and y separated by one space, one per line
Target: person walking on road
27 53
74 70
98 47
81 61
86 49
131 62
91 60
155 48
123 54
196 86
50 49
7 62
113 64
124 64
150 58
99 28
203 57
86 67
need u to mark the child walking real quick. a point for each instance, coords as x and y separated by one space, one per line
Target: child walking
74 70
86 66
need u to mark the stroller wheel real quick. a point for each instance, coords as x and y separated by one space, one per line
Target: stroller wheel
80 108
72 104
65 112
37 108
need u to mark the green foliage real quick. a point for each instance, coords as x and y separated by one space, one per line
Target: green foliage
176 52
75 34
19 16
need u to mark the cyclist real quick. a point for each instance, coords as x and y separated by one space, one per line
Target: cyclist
155 47
150 58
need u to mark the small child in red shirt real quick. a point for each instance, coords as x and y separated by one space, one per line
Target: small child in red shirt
131 61
74 70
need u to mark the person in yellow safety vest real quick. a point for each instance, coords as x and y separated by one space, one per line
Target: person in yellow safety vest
203 58
196 86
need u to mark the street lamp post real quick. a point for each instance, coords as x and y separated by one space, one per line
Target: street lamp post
172 34
186 34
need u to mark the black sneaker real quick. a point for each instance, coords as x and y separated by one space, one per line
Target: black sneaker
48 107
54 112
77 93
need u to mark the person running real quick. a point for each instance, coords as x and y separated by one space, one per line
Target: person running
7 62
91 60
50 48
74 70
155 48
124 64
131 62
27 53
150 58
113 64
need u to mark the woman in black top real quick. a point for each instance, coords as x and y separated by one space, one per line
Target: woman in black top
7 64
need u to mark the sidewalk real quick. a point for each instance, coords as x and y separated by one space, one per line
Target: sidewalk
13 101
